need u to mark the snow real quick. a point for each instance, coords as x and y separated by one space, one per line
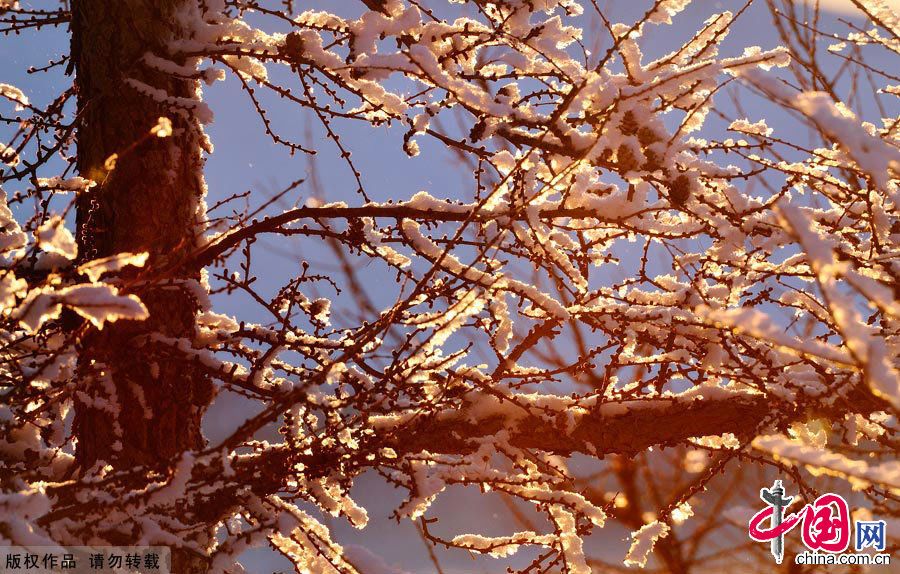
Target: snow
492 281
873 155
20 510
56 183
8 155
572 544
664 10
174 490
757 324
860 474
376 238
97 303
759 128
96 268
53 237
14 95
179 105
682 512
884 11
578 168
11 288
501 546
867 348
643 541
726 441
11 235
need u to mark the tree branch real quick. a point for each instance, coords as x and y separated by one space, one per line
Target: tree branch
214 250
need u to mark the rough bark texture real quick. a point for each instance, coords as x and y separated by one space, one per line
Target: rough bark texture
146 202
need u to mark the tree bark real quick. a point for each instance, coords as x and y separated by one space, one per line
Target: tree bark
146 200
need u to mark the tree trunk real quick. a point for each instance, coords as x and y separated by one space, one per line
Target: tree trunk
147 201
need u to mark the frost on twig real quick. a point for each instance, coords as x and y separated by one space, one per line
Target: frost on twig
646 294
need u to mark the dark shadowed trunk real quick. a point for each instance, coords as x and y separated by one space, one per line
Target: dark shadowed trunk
145 200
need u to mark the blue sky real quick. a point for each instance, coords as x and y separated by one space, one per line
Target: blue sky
245 159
